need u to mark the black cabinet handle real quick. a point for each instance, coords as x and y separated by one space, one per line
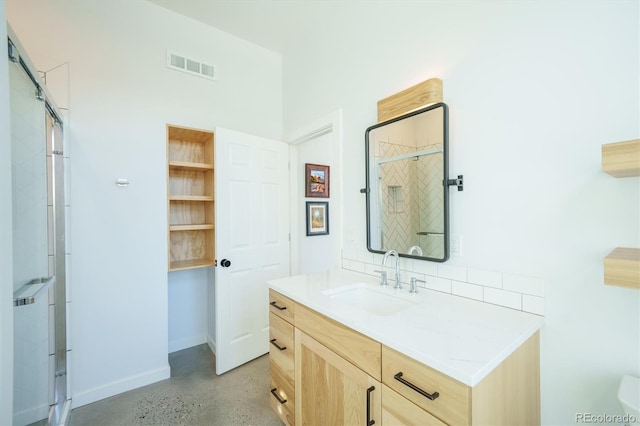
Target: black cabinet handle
431 396
275 305
273 342
273 392
369 420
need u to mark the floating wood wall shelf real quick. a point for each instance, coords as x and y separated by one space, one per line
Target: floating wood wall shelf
622 268
621 159
418 96
622 265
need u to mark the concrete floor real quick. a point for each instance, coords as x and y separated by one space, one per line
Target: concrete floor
194 395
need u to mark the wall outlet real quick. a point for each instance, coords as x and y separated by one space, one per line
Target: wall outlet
456 245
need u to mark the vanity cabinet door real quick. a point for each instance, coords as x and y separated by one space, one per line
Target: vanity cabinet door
330 390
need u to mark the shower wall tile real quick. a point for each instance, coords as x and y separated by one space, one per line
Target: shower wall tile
67 266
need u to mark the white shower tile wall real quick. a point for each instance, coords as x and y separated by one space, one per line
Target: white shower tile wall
513 291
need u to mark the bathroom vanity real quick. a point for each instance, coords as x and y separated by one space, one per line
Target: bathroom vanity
345 350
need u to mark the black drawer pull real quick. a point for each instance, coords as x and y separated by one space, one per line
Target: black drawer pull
273 342
281 308
369 420
431 396
273 392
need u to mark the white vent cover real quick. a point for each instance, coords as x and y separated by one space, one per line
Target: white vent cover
190 66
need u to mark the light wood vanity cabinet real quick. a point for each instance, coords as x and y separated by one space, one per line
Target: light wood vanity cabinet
282 356
330 390
341 377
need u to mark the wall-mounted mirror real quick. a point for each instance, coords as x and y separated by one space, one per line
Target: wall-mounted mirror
407 185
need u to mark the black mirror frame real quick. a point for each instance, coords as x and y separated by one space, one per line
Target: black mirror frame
445 168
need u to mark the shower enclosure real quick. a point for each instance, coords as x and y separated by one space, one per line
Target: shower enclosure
39 282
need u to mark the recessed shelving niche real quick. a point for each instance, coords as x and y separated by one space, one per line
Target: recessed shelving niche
191 199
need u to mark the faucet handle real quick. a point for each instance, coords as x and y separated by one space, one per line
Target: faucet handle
383 277
414 286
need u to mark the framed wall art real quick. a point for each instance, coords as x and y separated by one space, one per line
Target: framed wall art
316 181
317 218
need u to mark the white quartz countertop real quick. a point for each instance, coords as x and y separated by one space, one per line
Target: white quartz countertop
462 338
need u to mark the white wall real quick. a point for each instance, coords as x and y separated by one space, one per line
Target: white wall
6 238
121 97
534 89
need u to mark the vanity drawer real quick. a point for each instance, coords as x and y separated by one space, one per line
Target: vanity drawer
398 410
282 397
358 349
452 405
282 306
281 347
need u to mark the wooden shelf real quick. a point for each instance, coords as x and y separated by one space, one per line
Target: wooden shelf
190 193
185 165
190 227
621 159
180 265
418 96
622 268
191 198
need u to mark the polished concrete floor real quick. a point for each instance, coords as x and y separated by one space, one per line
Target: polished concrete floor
194 395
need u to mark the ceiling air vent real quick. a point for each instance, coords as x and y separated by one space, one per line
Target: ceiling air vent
190 66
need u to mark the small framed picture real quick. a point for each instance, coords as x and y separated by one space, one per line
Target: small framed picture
316 181
317 218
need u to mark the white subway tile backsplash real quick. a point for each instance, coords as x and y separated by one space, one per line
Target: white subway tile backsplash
428 268
522 284
503 298
533 304
509 290
484 277
355 266
437 283
471 291
349 254
458 273
364 256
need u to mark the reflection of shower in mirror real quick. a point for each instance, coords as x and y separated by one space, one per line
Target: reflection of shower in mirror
407 200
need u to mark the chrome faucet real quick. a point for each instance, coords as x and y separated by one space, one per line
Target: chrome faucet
398 283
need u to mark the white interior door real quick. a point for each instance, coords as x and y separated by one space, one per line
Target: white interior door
252 241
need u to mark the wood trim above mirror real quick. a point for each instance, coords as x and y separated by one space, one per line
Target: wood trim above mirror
411 99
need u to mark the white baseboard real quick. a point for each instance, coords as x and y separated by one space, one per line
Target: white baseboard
114 388
212 344
187 342
31 415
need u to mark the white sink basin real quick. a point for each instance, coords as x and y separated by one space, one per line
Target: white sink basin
375 300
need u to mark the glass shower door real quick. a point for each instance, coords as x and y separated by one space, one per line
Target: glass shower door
31 279
39 283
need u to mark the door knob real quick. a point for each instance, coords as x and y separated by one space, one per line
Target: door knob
225 263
